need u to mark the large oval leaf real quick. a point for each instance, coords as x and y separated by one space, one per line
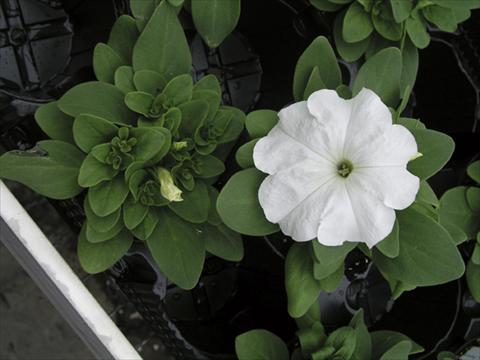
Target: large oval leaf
162 46
89 131
215 19
54 123
260 345
223 242
178 249
98 99
106 197
428 255
51 169
238 204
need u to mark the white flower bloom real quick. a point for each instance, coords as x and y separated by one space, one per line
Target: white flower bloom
337 169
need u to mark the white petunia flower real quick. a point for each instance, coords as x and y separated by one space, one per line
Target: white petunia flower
337 169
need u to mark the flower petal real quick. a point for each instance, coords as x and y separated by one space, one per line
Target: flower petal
395 186
393 147
354 215
283 194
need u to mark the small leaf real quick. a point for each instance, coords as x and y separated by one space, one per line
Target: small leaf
416 30
260 345
222 242
193 114
314 83
100 223
342 339
399 351
260 122
209 166
93 172
98 99
105 62
179 89
162 45
51 169
215 19
436 148
54 123
384 339
106 197
149 223
401 9
473 275
142 10
195 204
332 281
90 131
473 170
149 81
328 255
381 74
302 288
238 204
244 154
348 51
208 82
426 194
123 79
443 18
95 236
363 344
140 102
123 37
96 258
384 22
319 54
178 249
390 246
357 24
409 68
325 5
134 213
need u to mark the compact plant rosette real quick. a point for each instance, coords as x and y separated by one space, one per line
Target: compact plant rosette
338 170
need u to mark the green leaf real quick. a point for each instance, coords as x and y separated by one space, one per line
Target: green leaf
93 172
446 355
319 54
140 102
238 204
410 66
416 30
399 351
89 131
134 213
123 79
436 148
215 19
455 210
426 194
381 73
106 197
411 124
97 99
195 204
213 217
179 89
235 125
100 223
473 198
162 46
363 344
390 246
328 255
302 288
51 168
457 234
150 142
331 282
260 122
343 340
311 338
314 83
149 223
473 276
384 22
178 249
193 114
344 92
142 10
105 62
384 339
443 18
427 255
325 5
209 166
310 318
476 252
96 236
54 123
348 51
210 83
401 9
96 258
260 345
123 37
357 24
149 81
468 4
244 154
473 170
222 242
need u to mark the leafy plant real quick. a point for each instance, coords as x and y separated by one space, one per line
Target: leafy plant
459 213
418 252
146 143
353 342
364 27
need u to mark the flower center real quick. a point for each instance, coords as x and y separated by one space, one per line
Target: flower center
344 168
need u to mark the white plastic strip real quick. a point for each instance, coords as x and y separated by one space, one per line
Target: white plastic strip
46 266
